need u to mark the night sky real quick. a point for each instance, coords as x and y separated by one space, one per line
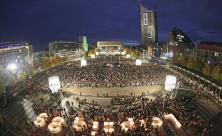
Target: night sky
41 21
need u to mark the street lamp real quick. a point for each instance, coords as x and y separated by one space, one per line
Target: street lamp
11 67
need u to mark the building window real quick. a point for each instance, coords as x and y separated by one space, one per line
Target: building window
145 16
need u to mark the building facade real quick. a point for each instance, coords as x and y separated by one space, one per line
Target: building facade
61 47
179 41
148 28
19 53
109 47
210 51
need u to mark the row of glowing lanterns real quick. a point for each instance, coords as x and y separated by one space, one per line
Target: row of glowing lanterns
57 122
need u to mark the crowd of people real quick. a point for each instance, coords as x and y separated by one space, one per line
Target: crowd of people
182 108
119 74
101 74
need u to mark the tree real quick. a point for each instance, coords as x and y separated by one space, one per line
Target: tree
206 70
183 60
22 75
45 63
2 85
217 73
190 62
175 58
31 71
198 65
55 60
92 52
126 50
11 79
134 53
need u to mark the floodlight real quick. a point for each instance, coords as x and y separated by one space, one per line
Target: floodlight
83 62
54 84
170 82
138 62
12 66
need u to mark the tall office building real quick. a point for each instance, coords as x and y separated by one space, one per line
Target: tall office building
148 25
63 47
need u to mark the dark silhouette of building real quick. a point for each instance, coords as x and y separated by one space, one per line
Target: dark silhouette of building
178 41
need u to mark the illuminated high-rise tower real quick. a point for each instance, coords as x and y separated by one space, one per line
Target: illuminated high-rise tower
83 43
148 25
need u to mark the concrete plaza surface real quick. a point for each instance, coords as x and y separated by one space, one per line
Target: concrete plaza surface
124 91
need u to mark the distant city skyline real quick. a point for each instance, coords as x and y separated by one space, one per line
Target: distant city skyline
42 21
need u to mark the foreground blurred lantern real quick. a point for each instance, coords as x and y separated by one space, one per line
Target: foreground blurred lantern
129 124
138 62
170 82
54 84
95 127
156 122
40 121
173 119
59 120
93 133
78 124
108 127
142 122
56 125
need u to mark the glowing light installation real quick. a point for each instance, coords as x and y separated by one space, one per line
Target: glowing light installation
138 62
54 84
83 63
170 82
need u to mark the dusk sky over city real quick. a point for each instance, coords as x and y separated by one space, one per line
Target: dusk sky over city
41 21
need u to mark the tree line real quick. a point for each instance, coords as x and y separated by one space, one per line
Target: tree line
197 64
